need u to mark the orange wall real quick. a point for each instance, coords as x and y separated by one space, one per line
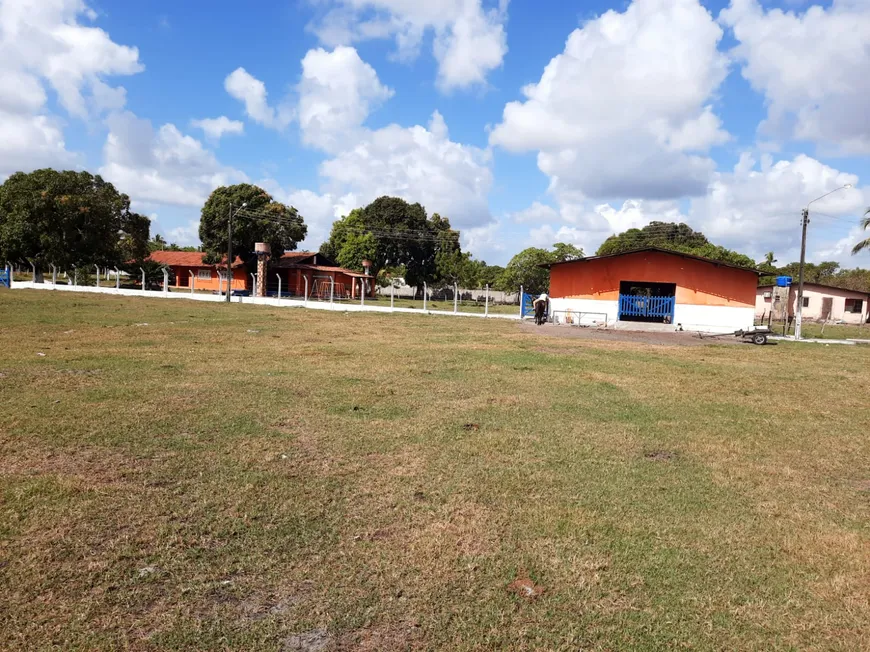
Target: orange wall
698 283
182 278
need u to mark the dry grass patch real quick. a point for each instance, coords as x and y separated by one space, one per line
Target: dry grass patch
377 482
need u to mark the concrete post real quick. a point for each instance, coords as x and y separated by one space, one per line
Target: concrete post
253 284
522 297
33 267
306 289
98 274
165 281
192 281
486 304
455 298
75 276
54 275
392 295
362 292
424 296
279 285
117 279
331 289
143 279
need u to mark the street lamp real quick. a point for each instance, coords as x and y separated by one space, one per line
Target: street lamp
805 219
230 249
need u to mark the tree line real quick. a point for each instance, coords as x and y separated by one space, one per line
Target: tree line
76 219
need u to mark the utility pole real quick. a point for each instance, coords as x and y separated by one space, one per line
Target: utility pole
229 254
805 220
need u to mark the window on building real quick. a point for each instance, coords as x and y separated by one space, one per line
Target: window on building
806 302
203 274
855 305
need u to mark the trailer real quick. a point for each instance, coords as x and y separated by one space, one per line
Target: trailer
756 334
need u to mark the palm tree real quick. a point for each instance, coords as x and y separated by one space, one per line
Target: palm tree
864 244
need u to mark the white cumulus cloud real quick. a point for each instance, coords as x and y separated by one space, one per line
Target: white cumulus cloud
216 128
249 90
469 37
337 92
812 68
49 44
626 110
162 166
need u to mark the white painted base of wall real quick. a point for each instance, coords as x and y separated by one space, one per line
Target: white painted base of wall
259 301
705 319
713 319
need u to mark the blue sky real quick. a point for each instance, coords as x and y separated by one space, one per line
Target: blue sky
525 123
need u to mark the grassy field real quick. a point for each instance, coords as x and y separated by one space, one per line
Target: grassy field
830 331
208 477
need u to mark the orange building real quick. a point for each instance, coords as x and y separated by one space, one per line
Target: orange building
189 268
655 285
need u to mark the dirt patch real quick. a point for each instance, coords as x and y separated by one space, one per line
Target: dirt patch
525 587
382 638
85 467
863 485
316 640
654 338
660 455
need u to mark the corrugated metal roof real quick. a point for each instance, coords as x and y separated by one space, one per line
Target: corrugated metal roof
712 261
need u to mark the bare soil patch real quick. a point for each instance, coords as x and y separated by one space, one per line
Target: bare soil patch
683 338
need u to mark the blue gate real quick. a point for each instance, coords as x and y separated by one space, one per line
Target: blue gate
631 305
5 278
528 305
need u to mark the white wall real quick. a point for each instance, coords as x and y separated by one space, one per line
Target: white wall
341 306
713 319
707 319
588 311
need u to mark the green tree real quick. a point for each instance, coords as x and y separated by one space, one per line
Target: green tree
666 235
529 268
676 237
262 220
392 233
456 267
865 243
68 218
157 243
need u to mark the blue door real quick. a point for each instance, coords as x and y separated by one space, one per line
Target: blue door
5 277
642 306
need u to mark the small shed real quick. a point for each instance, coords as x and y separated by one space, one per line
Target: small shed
654 285
320 275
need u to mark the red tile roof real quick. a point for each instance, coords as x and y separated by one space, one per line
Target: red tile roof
328 268
297 255
184 259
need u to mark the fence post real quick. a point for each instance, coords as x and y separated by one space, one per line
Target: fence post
143 279
98 274
53 274
331 289
522 300
165 281
279 285
192 281
33 267
392 295
486 304
75 276
455 298
424 297
117 280
362 292
254 284
305 301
